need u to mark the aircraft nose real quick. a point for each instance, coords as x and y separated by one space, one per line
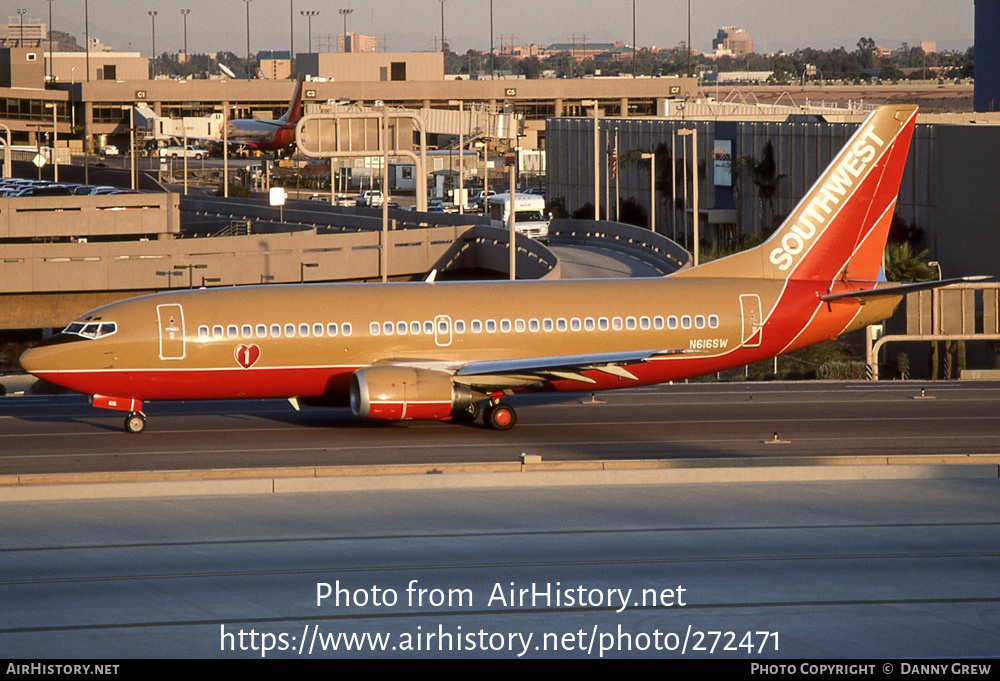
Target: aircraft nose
45 357
33 360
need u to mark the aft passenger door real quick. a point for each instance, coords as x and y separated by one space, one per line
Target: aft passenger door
171 322
752 320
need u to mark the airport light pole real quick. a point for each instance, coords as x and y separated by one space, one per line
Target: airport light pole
86 39
20 16
51 76
597 157
291 38
461 154
633 38
652 189
442 25
184 14
493 64
309 14
693 134
152 16
249 74
55 140
344 11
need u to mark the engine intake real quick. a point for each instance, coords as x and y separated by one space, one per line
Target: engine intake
401 393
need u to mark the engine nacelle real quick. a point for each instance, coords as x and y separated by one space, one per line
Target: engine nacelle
400 393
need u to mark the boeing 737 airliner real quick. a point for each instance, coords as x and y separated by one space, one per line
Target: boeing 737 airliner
436 351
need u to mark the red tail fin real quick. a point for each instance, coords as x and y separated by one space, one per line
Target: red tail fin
839 228
294 112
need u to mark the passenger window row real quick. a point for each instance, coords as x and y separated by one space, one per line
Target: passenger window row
476 326
247 331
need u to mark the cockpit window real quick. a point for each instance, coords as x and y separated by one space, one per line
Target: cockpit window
92 330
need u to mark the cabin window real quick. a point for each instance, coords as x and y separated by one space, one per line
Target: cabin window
216 331
346 329
603 324
699 321
630 323
546 325
575 324
713 321
202 332
519 325
460 326
672 322
505 325
387 328
477 326
401 328
375 328
331 329
317 330
491 326
658 323
616 323
589 324
644 323
275 330
686 322
231 331
415 328
560 324
533 325
429 328
290 330
246 331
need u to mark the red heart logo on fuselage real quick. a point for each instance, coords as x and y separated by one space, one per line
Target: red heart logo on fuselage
247 355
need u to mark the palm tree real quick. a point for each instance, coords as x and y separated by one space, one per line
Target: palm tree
904 264
764 175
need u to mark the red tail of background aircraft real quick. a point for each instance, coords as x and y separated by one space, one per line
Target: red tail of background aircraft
276 135
437 351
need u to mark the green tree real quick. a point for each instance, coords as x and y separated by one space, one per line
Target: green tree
765 177
905 264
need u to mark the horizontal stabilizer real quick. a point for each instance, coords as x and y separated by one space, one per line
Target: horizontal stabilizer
901 289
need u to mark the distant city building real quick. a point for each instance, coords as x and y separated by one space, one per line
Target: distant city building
372 66
355 42
733 41
32 33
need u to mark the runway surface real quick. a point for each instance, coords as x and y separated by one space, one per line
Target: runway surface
64 434
862 569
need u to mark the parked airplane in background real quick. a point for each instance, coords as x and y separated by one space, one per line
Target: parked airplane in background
436 351
264 135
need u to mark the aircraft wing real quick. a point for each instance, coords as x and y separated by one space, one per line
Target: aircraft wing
559 367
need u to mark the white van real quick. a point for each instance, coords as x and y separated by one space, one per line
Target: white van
529 214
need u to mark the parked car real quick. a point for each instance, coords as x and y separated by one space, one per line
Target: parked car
178 151
109 150
370 198
480 198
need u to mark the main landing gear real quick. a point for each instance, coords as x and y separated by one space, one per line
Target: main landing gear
135 422
499 416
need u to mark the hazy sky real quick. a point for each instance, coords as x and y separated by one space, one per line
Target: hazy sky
413 25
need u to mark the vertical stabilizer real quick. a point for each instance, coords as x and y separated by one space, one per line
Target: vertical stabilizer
294 112
839 228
